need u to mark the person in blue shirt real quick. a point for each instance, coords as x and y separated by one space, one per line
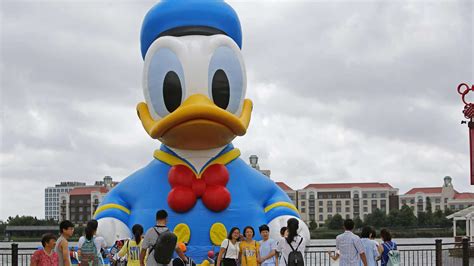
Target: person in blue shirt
268 255
370 247
387 246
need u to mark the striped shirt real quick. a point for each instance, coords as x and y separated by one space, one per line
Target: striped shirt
350 246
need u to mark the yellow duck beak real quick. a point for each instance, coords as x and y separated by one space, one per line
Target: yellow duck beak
197 124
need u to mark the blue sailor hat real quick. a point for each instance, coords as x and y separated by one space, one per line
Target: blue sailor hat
189 17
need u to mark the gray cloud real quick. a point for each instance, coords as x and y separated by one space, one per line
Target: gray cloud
343 92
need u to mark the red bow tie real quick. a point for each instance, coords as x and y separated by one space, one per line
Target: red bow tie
186 188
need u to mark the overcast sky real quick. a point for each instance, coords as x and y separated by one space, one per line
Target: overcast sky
360 91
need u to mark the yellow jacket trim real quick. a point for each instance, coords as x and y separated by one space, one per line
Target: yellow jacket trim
111 206
281 204
173 160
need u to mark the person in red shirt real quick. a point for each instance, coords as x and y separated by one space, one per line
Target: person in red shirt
45 256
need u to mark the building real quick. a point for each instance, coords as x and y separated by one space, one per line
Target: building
288 190
319 202
254 164
439 198
51 198
79 204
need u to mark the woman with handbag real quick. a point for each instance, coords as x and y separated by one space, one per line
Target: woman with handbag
229 252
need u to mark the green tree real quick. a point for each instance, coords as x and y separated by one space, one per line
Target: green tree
428 213
377 218
336 222
428 205
2 227
406 216
438 218
393 218
313 225
445 222
29 220
358 223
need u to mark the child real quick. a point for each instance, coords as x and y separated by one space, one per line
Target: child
178 261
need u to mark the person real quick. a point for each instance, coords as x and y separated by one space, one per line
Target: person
178 261
371 250
89 246
66 230
152 235
334 255
350 247
229 252
267 251
283 234
373 235
249 248
99 241
45 256
132 247
387 245
297 242
211 257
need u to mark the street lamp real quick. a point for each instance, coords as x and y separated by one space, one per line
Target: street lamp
463 90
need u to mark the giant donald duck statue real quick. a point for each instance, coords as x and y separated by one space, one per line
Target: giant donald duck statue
194 83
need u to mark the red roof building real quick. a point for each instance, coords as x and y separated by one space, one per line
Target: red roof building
348 185
284 186
439 198
320 201
79 204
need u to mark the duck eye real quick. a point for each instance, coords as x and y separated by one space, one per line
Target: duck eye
226 79
164 83
172 91
220 89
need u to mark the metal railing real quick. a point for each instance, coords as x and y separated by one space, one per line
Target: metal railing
16 256
430 254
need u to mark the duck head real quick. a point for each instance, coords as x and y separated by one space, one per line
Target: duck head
194 78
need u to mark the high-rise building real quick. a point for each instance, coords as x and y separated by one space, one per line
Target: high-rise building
51 198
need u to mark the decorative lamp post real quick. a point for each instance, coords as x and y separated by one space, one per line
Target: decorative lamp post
463 90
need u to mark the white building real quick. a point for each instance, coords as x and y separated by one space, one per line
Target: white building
51 198
440 198
319 202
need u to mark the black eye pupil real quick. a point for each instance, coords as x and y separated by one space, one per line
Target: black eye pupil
220 89
172 91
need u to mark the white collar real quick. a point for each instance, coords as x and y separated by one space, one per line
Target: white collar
198 158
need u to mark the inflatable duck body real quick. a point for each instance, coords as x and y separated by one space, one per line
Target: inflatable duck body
194 84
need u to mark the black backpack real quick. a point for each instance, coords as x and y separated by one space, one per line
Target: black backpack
164 246
295 258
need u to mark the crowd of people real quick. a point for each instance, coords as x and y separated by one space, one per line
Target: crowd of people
352 250
145 248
